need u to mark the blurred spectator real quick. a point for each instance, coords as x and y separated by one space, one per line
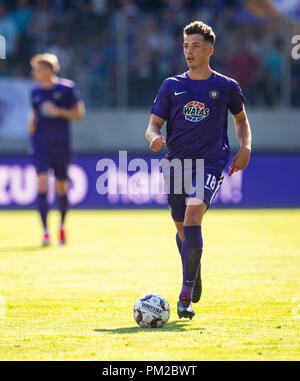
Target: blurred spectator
272 60
100 7
295 97
141 78
86 34
97 56
63 50
244 67
22 15
258 44
42 24
8 29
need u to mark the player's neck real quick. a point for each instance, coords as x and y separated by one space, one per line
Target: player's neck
200 73
50 82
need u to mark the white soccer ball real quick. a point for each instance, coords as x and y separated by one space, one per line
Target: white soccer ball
151 311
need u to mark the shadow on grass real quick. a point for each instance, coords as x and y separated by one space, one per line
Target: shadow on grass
176 325
22 248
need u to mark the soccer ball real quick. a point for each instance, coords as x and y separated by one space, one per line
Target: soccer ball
151 311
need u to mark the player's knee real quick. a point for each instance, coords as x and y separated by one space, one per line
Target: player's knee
42 185
192 217
194 214
192 220
61 188
61 191
43 188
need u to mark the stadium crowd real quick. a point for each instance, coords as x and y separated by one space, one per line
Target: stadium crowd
82 33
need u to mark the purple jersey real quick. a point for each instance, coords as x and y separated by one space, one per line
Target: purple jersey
53 134
196 112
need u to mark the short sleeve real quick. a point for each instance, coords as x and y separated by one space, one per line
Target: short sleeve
75 96
161 105
237 99
33 100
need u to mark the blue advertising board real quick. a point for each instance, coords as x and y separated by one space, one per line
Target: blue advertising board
104 181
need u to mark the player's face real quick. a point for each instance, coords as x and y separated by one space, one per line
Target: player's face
197 51
41 73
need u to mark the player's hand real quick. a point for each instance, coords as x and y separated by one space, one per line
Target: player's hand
31 128
240 161
157 143
51 110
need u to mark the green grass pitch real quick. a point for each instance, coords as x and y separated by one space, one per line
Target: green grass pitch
76 302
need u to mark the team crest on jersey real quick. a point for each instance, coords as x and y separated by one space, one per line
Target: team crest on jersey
214 94
56 95
36 99
195 111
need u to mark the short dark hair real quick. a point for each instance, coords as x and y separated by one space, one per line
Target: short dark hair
198 27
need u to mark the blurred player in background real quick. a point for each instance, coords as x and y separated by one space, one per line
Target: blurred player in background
195 105
55 102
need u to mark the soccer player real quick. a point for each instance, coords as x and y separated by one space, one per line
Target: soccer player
55 102
195 105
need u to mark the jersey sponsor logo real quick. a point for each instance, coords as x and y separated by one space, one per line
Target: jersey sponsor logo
180 92
214 94
43 108
195 111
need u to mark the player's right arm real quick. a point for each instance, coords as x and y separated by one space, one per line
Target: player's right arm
153 135
76 112
32 122
159 113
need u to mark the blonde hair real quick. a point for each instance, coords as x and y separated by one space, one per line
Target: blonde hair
47 59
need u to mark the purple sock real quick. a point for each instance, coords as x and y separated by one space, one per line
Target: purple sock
43 207
191 252
63 207
179 243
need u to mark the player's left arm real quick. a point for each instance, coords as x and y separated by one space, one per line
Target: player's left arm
243 133
76 112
